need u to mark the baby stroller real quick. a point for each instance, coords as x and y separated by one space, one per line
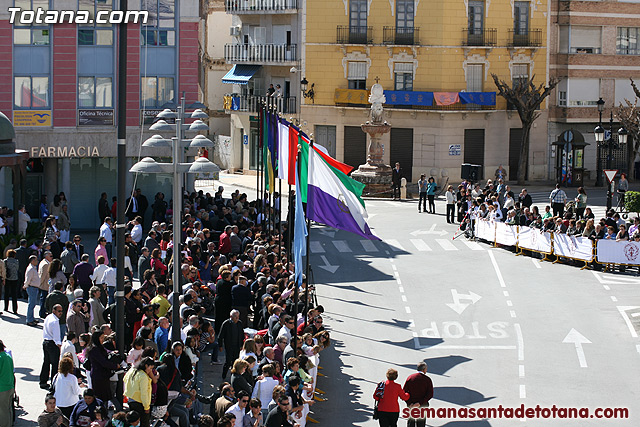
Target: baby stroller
15 401
570 207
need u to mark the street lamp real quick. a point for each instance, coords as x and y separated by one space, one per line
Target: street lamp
177 168
311 93
609 143
600 104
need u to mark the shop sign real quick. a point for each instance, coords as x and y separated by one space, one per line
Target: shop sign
455 149
62 151
95 117
31 118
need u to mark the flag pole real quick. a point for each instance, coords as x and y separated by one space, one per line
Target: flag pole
260 157
279 191
308 269
296 293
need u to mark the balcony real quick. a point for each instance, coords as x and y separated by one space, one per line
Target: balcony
260 6
406 36
354 35
263 54
417 100
252 103
525 38
479 36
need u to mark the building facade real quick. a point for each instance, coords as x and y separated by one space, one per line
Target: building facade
266 51
58 85
594 52
434 60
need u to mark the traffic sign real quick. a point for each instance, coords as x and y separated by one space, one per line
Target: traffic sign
610 174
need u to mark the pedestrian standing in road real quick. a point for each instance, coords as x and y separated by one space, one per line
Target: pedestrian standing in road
558 199
623 187
64 224
32 286
388 407
422 191
106 233
431 194
396 180
420 389
103 207
52 341
581 203
7 387
231 338
67 391
43 274
11 283
451 205
101 366
83 272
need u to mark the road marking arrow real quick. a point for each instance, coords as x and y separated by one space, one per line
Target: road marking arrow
432 230
328 233
330 268
459 307
576 338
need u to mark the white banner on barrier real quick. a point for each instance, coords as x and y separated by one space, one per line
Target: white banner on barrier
612 252
486 230
573 247
506 234
535 240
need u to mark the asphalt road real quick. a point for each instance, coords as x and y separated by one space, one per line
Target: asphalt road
494 328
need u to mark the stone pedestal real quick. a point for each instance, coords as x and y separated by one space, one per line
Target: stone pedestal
374 173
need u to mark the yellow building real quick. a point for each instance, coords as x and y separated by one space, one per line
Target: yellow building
434 59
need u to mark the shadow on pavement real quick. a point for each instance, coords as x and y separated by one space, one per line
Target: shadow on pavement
394 322
441 365
351 288
342 394
459 395
357 303
424 342
25 374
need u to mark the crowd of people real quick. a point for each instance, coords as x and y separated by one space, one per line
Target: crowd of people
237 297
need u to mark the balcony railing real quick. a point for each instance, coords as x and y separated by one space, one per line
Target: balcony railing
479 36
354 35
252 103
417 100
257 53
401 35
249 6
530 38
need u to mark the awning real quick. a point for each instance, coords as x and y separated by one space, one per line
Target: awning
240 74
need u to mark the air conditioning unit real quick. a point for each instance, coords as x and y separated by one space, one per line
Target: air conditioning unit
235 31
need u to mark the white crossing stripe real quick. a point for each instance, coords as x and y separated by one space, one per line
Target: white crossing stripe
341 246
395 245
316 247
446 245
420 245
474 246
369 246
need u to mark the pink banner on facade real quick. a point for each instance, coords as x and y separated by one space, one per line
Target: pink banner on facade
446 98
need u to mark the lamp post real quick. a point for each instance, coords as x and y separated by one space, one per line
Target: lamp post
600 104
177 168
610 143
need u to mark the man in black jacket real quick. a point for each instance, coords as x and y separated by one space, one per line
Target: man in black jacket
396 179
231 338
103 207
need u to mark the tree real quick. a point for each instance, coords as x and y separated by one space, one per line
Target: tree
628 118
526 98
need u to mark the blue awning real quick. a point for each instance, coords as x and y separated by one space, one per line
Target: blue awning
240 74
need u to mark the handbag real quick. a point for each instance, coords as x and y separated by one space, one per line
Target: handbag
375 411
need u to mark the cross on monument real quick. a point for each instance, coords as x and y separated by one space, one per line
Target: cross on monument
377 79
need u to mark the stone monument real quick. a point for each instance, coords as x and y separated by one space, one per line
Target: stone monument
374 173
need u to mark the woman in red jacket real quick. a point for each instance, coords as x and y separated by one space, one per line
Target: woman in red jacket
388 408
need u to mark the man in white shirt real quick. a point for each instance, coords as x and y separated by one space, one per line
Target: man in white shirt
239 409
109 279
51 344
23 220
107 232
136 231
68 346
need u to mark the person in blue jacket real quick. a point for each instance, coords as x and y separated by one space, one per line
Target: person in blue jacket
431 194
